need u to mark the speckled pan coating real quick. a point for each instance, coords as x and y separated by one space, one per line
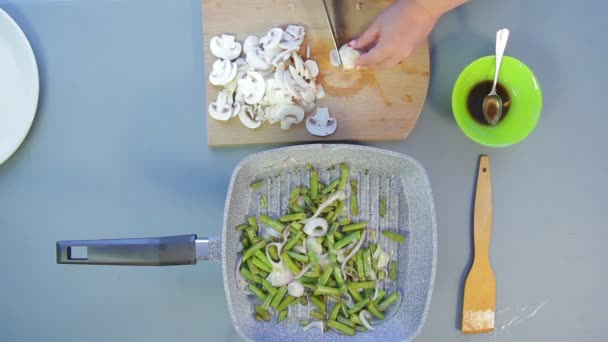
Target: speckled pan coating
380 173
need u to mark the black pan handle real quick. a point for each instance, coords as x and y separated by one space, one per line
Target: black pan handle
160 251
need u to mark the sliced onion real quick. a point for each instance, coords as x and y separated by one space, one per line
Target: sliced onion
268 232
279 248
324 259
348 300
280 276
301 202
338 195
316 227
363 318
300 249
313 245
315 324
295 289
353 252
303 271
285 235
241 282
388 315
239 247
350 272
382 257
376 292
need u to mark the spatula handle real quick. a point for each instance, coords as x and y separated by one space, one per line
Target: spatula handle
482 219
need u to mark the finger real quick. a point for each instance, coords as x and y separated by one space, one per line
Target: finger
389 63
368 37
373 57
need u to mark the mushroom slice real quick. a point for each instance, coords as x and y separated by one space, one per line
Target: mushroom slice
272 38
290 85
291 44
253 86
334 58
275 93
223 71
320 92
240 62
307 106
308 95
255 59
221 109
321 124
249 118
279 75
296 30
225 47
312 67
282 57
349 56
250 43
288 114
298 62
297 78
270 54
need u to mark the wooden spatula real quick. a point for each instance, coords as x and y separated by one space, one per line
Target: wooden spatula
479 305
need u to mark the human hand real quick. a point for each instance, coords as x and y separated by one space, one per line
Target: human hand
396 32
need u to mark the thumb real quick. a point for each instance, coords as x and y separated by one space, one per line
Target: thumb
368 37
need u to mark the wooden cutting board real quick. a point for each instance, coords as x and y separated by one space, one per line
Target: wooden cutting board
369 105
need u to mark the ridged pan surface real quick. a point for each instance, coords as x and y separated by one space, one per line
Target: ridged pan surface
380 173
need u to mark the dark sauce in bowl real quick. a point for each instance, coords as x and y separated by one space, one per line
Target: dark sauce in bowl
478 93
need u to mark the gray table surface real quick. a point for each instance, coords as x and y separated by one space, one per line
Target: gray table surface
118 149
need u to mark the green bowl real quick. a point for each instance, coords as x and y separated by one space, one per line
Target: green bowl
526 101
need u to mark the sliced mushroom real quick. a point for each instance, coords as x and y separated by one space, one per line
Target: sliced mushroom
308 95
255 58
270 54
221 109
250 43
296 30
334 58
349 56
275 93
240 62
225 47
298 62
223 71
288 114
249 118
290 85
253 86
272 38
282 57
320 92
321 124
312 67
297 78
307 106
291 44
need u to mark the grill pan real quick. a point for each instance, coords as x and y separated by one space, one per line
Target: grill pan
380 173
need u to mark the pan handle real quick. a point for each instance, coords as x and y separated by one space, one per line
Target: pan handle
159 251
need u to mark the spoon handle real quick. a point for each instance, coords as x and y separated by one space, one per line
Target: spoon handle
501 43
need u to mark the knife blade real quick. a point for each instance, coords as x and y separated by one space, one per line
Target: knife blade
331 28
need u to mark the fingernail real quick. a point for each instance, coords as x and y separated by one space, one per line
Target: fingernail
352 42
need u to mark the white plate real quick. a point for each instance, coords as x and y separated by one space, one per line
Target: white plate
19 86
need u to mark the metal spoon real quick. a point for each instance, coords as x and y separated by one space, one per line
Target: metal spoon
492 103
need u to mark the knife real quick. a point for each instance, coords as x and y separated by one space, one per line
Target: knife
331 28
